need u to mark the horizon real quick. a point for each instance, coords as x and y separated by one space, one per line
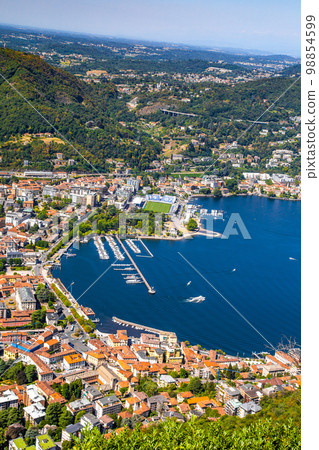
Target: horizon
204 47
275 31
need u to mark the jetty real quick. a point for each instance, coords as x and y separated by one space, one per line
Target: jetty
150 254
141 327
149 288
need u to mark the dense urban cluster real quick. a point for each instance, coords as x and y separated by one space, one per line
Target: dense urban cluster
59 373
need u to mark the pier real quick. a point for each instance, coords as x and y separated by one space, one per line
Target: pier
149 288
141 327
150 254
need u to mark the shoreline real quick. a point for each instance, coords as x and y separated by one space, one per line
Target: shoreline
243 195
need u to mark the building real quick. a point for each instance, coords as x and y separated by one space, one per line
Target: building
224 393
107 405
31 395
91 421
106 422
166 380
83 404
248 408
34 413
232 407
8 400
72 362
249 393
273 370
44 442
19 444
25 299
70 431
4 311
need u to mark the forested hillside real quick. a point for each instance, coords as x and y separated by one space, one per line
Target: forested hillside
99 121
68 104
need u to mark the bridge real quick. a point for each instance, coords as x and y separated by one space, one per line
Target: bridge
177 113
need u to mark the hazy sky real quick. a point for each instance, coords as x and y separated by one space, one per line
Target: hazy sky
272 25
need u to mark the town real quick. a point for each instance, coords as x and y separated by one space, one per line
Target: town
59 372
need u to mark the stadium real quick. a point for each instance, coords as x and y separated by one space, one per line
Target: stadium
159 204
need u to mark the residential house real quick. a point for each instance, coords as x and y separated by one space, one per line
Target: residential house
34 413
107 405
44 442
248 408
83 404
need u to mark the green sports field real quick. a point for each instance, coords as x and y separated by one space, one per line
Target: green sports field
158 207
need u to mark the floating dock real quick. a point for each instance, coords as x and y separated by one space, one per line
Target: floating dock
100 248
132 246
149 288
117 253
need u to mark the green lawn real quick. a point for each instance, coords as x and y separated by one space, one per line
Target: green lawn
158 207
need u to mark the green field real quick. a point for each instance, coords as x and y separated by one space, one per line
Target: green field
158 207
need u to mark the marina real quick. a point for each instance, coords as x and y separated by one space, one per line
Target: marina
100 248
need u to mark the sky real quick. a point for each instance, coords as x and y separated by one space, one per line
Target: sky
266 25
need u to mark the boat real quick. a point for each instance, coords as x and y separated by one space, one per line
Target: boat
198 299
70 255
188 283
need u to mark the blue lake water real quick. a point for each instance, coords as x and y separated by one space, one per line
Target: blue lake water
264 288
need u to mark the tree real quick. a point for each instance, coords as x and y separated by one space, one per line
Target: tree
42 215
183 373
14 430
21 378
78 416
31 373
192 225
31 434
195 385
38 318
67 445
232 185
53 413
66 419
217 192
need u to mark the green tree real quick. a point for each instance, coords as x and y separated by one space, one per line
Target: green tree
78 416
53 413
31 373
31 434
195 385
66 419
217 192
192 225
